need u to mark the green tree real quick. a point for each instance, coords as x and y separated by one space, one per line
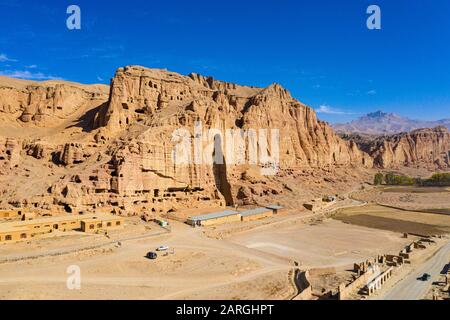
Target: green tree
390 178
399 180
378 180
440 179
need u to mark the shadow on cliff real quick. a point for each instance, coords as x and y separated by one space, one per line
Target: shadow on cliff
86 121
220 171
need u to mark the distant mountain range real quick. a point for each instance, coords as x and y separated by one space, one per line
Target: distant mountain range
380 123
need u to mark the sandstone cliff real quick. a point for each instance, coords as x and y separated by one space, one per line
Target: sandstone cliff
421 148
45 103
117 151
158 98
156 103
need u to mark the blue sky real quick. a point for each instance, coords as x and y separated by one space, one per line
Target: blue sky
320 50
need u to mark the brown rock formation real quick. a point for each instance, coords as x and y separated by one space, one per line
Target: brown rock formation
156 103
46 102
117 152
422 147
159 98
9 152
73 153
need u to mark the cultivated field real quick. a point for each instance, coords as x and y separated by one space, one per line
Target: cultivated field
386 218
409 197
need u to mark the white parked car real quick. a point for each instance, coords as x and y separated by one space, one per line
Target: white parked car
162 248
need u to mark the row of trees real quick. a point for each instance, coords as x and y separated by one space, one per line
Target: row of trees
438 179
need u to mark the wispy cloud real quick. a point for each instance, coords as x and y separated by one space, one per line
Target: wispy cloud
5 58
33 66
25 74
371 92
329 110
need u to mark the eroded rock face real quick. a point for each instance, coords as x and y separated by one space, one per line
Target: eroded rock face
39 150
9 152
422 147
119 156
157 103
304 140
73 153
12 101
43 103
159 98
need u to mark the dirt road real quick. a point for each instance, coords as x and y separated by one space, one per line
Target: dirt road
199 264
412 289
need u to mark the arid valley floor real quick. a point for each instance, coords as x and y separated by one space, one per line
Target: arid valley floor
91 180
252 260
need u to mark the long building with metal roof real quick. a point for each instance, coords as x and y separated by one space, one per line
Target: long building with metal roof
276 208
215 218
255 214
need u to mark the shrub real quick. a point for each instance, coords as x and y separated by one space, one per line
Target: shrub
440 179
378 180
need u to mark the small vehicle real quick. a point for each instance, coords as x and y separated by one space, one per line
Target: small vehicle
425 277
162 248
152 255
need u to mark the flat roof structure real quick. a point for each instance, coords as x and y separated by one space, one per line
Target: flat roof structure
22 230
16 225
50 220
214 215
14 229
274 207
255 211
108 217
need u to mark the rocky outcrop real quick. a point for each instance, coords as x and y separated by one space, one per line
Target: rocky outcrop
160 106
43 103
9 152
39 150
158 98
304 140
123 152
423 148
73 153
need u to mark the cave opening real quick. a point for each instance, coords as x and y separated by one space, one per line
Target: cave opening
220 171
67 208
